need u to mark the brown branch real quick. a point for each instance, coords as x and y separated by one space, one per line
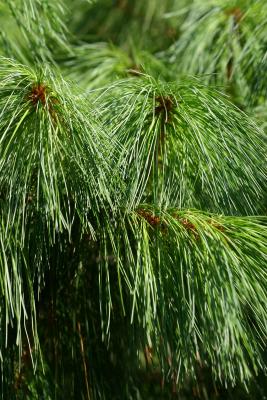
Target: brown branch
153 220
236 13
164 106
84 360
39 93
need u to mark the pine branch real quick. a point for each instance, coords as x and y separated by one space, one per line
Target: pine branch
94 65
37 27
188 142
124 21
49 136
220 39
197 284
53 170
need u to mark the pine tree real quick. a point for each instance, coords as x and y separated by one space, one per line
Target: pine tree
133 238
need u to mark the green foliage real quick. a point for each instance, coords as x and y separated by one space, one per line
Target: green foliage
38 29
133 239
190 141
121 21
182 263
222 39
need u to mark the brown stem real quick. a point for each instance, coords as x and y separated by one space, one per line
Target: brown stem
84 360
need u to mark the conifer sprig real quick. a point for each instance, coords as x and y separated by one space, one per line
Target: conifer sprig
51 138
38 29
220 39
173 267
187 143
